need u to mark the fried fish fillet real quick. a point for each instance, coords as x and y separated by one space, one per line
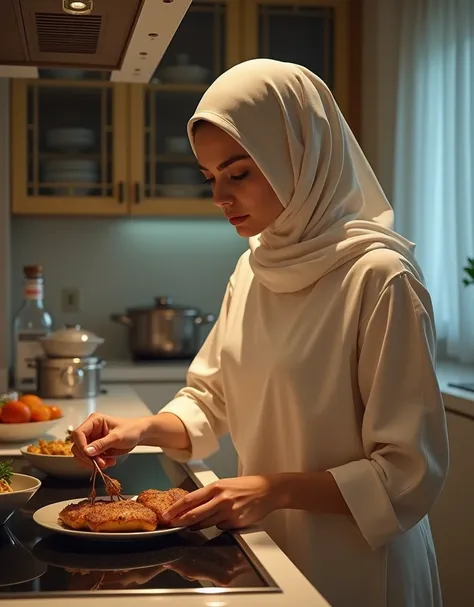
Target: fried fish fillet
121 517
160 501
74 515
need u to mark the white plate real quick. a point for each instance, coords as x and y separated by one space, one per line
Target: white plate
48 517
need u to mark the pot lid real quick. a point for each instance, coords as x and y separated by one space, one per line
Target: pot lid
81 361
73 334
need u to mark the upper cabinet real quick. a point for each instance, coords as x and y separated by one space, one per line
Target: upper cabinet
166 180
322 35
82 145
68 146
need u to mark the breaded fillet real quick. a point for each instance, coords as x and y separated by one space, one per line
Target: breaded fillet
74 515
160 501
121 517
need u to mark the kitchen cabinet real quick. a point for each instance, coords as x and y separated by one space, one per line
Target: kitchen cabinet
322 35
452 517
67 147
165 178
127 153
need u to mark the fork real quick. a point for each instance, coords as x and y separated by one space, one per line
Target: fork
112 486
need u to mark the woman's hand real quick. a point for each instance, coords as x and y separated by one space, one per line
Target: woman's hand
228 503
107 437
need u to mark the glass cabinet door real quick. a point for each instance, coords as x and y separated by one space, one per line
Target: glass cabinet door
69 146
164 172
313 33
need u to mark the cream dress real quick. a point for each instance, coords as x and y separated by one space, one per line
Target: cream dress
338 377
323 355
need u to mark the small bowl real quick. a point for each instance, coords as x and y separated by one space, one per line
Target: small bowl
24 487
60 466
28 431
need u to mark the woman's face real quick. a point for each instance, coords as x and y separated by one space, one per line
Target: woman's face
238 186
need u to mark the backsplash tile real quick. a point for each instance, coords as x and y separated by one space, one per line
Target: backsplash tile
118 263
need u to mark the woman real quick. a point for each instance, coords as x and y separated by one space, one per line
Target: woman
321 363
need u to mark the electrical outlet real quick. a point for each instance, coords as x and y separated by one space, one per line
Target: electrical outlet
71 299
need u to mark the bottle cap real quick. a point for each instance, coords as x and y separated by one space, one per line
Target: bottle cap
33 271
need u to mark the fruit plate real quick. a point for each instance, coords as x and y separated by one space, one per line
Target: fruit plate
48 517
28 431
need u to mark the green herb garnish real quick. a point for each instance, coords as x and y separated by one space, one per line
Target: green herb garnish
6 471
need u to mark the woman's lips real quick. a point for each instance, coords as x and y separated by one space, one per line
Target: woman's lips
236 221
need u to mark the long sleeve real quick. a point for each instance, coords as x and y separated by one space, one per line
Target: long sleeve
403 428
200 405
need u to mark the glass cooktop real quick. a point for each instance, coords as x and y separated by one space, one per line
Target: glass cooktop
38 563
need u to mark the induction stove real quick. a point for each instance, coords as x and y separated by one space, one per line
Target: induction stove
38 563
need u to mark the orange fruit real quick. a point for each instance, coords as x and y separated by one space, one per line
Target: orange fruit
56 412
15 412
31 401
41 414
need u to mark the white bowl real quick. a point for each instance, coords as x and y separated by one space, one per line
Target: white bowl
70 138
24 487
177 145
180 175
185 74
181 191
73 165
60 466
21 433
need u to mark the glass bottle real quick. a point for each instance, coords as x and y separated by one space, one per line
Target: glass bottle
30 323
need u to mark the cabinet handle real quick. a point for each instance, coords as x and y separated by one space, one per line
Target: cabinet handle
121 192
137 192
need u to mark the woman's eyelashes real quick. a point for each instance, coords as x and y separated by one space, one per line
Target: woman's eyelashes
239 177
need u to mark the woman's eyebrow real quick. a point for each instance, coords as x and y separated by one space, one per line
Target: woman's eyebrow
228 162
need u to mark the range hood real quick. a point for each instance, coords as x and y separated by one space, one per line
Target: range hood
125 38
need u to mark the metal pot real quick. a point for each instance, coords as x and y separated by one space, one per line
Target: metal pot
164 331
68 377
70 342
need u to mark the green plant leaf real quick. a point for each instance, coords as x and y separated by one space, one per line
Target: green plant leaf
6 471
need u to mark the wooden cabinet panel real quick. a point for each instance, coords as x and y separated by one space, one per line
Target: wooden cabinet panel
68 147
165 178
452 517
322 35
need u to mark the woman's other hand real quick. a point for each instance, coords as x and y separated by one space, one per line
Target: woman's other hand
230 503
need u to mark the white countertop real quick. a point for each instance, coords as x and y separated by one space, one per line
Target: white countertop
118 371
455 399
122 401
128 371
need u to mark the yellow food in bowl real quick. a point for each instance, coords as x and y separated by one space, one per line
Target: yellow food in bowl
5 487
52 447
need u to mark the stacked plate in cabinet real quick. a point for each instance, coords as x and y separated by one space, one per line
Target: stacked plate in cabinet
70 169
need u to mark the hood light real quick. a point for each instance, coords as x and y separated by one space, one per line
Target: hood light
78 7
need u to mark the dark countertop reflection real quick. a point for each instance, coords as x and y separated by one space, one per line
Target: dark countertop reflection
41 562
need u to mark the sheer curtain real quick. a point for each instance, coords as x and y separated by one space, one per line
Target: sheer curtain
434 157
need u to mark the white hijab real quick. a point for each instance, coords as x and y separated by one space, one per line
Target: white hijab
287 120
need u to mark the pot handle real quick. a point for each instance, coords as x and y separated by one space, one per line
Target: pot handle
122 319
207 319
72 376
